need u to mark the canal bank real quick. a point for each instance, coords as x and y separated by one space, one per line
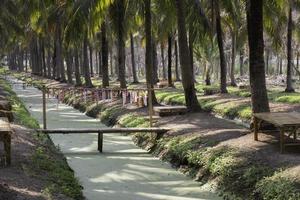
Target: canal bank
123 171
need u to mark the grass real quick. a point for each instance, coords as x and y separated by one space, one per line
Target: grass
238 174
46 163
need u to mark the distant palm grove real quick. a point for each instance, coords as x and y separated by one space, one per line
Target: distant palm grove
132 41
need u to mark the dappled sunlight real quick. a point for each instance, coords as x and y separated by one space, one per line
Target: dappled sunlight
122 171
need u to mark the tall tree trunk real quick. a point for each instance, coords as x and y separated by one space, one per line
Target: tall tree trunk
87 76
54 65
69 63
149 45
297 64
97 62
289 81
241 62
26 60
267 60
162 52
170 81
207 75
91 60
111 61
176 62
43 57
155 62
100 64
121 43
104 68
191 49
134 74
280 67
59 54
233 55
259 95
223 67
77 68
185 61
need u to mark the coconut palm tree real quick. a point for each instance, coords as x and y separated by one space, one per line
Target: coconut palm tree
185 61
259 95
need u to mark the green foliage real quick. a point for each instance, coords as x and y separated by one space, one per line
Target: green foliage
21 114
60 178
278 187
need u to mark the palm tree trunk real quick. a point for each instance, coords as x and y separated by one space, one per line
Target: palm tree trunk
91 60
289 82
191 48
149 45
233 55
43 57
155 63
134 74
267 60
176 62
59 54
223 67
121 43
241 62
207 75
69 63
100 71
170 81
280 66
259 95
77 68
162 52
104 66
185 61
87 77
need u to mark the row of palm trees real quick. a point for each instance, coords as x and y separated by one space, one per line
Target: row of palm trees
60 39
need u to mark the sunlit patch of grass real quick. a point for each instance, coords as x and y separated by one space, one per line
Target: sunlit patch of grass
283 97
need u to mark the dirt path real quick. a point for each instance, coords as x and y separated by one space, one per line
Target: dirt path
123 171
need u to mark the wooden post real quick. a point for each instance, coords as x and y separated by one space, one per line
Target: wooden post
7 148
150 106
281 140
255 123
100 142
44 108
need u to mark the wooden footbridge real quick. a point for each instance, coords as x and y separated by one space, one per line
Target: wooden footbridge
158 131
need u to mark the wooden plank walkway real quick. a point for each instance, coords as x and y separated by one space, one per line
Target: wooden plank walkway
287 123
101 131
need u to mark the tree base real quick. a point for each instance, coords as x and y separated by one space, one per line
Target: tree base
289 90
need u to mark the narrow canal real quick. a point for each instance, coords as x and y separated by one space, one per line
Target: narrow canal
123 171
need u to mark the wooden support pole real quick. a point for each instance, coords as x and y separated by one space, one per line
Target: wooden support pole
281 140
44 108
100 142
150 105
7 148
255 123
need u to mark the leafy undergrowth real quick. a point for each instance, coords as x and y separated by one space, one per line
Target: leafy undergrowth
47 163
238 174
227 109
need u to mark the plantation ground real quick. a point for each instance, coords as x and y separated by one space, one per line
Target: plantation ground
208 148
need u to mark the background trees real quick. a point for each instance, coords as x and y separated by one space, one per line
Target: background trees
138 41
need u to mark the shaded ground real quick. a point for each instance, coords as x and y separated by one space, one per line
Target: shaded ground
18 182
224 133
123 171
